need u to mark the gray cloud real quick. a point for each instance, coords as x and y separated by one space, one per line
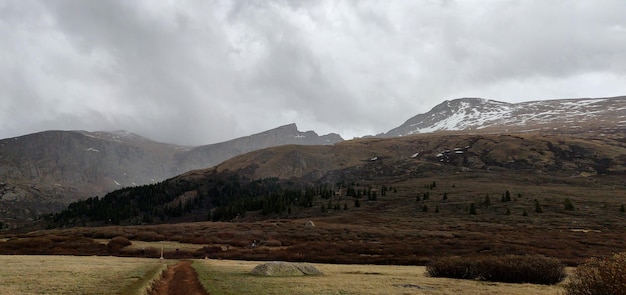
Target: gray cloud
199 72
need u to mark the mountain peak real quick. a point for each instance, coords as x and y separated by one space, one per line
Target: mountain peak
484 114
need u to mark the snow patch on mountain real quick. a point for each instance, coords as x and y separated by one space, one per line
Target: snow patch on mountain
478 113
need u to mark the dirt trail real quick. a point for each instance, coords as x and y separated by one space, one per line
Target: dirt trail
179 279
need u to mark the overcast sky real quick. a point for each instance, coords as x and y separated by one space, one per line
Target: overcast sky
199 72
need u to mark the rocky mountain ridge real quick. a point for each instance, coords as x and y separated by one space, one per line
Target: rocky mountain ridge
45 171
483 115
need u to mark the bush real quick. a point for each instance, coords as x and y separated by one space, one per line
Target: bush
535 269
452 267
117 243
599 276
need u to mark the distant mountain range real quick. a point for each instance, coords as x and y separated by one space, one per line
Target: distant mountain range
483 115
43 172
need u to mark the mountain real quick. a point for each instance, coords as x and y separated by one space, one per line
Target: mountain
210 155
43 172
272 180
483 115
401 200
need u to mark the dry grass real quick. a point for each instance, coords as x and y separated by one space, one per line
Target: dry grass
232 277
168 246
77 275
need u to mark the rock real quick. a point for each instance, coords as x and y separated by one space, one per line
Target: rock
284 269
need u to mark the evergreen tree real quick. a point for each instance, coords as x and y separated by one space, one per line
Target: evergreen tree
345 206
538 207
437 209
425 208
357 204
622 209
508 211
472 209
524 213
507 196
487 201
417 198
445 196
568 205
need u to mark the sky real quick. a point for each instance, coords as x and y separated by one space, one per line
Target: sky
200 72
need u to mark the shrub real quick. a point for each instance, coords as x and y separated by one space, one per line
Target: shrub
117 243
535 269
452 267
599 276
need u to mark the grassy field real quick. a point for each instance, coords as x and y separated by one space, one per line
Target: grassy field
114 275
232 277
77 275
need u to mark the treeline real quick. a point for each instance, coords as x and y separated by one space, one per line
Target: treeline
218 198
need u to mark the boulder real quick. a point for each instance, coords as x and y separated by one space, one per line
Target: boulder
284 269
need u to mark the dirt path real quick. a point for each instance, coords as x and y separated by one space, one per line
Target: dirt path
179 279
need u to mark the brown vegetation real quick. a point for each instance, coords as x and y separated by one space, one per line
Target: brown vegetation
395 228
533 269
599 276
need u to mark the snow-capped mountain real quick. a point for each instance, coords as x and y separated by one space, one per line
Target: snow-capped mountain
477 114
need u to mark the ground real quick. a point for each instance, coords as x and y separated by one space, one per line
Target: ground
179 279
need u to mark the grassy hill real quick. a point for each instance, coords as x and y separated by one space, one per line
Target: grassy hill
390 201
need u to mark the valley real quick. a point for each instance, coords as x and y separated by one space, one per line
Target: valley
556 195
407 200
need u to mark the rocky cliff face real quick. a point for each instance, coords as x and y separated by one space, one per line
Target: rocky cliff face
43 172
213 154
482 115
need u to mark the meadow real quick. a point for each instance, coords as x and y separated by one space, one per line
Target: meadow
115 275
233 277
38 274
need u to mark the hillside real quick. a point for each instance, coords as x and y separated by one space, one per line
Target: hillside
392 200
483 115
44 172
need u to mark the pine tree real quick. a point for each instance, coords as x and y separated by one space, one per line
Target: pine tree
472 209
507 196
357 204
622 209
345 206
437 209
524 213
538 207
508 211
425 208
487 201
445 196
417 198
568 205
